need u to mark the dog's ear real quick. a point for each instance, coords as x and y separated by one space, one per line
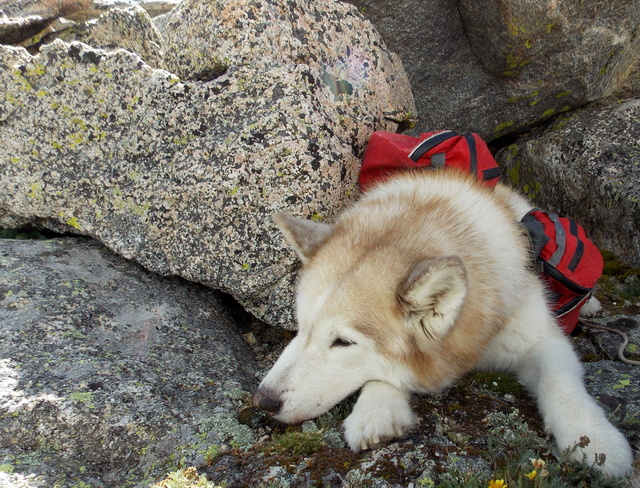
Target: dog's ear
304 235
432 295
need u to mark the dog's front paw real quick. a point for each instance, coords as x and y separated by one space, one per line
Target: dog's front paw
382 413
606 448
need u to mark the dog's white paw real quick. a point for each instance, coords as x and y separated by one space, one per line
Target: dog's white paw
382 413
606 447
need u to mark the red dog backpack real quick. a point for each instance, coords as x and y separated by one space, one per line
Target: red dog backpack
570 264
388 152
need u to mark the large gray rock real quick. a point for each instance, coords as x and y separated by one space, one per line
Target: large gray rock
497 66
110 374
181 176
585 165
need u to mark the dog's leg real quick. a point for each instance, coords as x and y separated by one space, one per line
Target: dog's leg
553 373
381 413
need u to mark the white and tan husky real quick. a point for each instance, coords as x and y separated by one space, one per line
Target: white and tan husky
427 277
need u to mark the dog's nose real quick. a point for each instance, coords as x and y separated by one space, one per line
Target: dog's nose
267 401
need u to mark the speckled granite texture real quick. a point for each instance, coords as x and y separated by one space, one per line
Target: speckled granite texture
181 175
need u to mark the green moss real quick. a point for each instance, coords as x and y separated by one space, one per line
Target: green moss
211 453
138 210
532 189
515 30
622 384
500 383
614 266
298 443
513 65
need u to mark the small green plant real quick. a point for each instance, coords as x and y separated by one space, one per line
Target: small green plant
334 417
186 478
211 453
516 466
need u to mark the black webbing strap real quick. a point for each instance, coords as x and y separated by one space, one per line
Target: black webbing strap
575 260
491 173
473 154
429 143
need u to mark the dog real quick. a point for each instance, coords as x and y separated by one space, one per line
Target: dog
427 277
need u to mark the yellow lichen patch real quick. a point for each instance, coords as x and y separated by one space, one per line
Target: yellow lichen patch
73 222
35 190
503 126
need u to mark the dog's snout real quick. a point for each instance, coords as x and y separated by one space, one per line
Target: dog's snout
267 401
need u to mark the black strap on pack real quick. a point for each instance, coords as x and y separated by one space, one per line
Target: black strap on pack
473 154
575 260
537 236
429 143
491 173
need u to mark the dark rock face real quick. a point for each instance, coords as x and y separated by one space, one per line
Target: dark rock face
495 67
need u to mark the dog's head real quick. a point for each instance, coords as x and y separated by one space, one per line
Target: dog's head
366 311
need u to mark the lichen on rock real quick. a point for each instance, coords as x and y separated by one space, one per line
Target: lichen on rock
182 176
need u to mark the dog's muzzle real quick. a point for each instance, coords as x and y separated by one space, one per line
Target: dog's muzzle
267 401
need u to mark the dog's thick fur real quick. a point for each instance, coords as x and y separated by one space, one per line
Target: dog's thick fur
427 277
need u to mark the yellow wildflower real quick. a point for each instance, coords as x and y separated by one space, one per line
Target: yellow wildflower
497 484
531 475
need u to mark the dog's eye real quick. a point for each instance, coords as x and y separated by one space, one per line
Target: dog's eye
340 342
